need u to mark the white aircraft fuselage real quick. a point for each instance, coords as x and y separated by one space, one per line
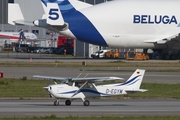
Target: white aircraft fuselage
145 24
133 22
125 23
66 91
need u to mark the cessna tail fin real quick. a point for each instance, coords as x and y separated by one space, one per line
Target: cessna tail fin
134 82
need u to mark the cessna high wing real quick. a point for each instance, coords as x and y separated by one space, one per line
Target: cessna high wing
88 88
144 24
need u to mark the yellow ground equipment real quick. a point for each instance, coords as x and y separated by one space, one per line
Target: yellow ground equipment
111 54
131 55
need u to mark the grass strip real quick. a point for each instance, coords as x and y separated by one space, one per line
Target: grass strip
91 64
53 117
26 89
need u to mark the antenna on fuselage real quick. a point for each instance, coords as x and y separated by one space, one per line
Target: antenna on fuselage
79 75
76 77
86 75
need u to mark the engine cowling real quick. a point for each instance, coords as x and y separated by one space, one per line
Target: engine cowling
40 23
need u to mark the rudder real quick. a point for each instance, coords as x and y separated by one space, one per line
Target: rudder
135 80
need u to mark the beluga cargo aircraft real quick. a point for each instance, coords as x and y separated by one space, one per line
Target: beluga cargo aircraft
144 24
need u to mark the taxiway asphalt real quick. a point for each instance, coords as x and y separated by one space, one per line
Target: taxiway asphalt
97 108
150 77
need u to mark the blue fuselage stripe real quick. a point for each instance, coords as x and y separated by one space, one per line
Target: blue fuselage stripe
83 29
79 24
130 82
85 90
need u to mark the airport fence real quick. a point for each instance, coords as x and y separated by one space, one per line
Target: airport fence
30 55
10 54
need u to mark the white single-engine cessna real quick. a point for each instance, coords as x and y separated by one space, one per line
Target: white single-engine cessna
89 89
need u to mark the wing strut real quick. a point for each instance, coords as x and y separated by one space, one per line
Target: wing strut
79 89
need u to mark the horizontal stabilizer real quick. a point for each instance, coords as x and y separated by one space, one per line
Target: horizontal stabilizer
134 91
22 22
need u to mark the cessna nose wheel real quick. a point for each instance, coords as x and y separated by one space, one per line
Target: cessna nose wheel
56 103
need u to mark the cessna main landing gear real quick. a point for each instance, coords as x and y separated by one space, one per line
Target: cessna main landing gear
86 103
68 102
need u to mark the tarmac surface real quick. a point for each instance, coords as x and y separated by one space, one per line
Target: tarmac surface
97 108
150 77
